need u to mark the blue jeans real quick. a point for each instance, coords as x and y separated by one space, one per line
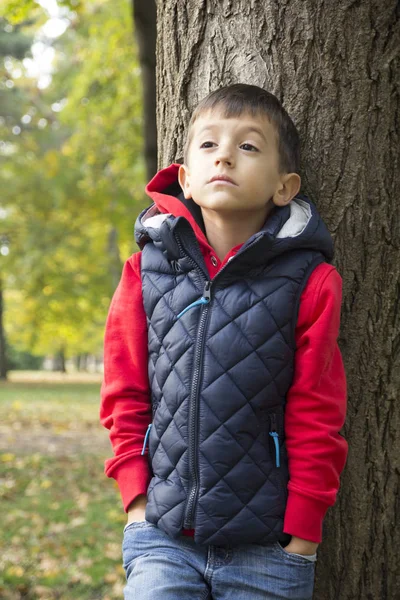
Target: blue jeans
161 568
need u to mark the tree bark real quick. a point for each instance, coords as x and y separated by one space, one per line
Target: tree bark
3 354
335 67
144 14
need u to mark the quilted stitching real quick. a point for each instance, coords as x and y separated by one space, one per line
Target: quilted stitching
171 346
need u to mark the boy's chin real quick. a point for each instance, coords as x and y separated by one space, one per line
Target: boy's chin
219 202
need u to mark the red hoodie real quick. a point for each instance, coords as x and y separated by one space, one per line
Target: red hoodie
315 404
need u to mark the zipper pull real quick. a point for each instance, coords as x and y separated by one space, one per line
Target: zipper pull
207 291
205 299
146 438
275 435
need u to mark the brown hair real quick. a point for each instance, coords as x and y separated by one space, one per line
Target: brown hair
234 100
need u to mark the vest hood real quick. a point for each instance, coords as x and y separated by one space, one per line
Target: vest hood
293 227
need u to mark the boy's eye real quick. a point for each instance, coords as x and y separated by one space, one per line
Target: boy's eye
249 147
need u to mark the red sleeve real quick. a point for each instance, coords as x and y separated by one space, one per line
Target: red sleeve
125 397
316 408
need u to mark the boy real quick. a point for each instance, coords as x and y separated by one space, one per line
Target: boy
224 389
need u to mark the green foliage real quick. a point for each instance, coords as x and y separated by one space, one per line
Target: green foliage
19 360
17 11
17 45
72 175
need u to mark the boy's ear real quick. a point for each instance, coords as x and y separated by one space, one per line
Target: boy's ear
288 187
183 178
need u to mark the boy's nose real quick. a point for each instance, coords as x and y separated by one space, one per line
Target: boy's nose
224 156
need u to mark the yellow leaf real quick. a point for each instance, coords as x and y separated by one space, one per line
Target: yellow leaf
67 150
15 570
7 457
46 483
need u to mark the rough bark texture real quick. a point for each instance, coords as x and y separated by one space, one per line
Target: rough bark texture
144 14
335 67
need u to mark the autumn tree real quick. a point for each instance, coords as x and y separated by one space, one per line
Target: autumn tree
335 67
13 44
72 176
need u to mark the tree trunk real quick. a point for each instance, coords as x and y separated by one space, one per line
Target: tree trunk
114 257
144 14
335 67
3 355
59 361
78 362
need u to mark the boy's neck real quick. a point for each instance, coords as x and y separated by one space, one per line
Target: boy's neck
225 231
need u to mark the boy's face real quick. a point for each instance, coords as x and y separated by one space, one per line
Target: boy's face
244 149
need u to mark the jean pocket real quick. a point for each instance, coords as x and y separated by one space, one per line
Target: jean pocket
298 558
137 525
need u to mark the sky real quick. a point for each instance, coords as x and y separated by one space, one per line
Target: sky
40 65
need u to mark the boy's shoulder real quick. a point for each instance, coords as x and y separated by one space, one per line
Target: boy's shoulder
325 275
134 262
322 293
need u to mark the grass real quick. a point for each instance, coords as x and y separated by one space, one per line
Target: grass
61 519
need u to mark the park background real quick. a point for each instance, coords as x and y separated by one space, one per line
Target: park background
78 141
72 180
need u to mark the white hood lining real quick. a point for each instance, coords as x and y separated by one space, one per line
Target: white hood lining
300 215
155 221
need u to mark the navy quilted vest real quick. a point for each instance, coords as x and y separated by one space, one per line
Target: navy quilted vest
220 365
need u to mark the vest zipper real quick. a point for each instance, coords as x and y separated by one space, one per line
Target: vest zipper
274 434
205 299
193 398
146 437
188 522
193 417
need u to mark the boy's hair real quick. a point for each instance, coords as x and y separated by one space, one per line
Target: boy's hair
235 100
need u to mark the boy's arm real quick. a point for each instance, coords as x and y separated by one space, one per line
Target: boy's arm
125 397
315 411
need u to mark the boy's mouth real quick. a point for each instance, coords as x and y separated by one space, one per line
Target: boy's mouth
222 179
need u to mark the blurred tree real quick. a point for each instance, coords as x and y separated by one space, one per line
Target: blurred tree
13 44
3 353
73 171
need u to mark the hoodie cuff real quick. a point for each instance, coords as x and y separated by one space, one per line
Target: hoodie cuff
133 477
304 517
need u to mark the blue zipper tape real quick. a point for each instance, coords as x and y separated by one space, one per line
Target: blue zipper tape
146 438
201 300
275 436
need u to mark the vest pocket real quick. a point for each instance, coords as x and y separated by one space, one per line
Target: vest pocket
277 437
154 407
270 424
278 449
